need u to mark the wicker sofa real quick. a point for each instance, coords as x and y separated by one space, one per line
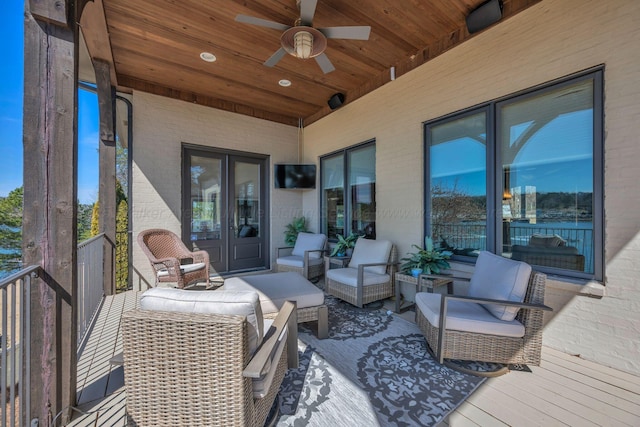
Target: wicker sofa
195 358
549 251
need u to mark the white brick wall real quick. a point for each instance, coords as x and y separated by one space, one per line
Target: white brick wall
551 39
160 126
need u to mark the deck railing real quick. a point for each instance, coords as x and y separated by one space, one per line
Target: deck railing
15 377
473 237
90 277
15 306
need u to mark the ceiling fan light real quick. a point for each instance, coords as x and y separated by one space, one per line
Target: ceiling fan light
303 44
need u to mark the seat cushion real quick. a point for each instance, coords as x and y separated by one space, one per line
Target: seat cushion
368 251
309 242
349 276
185 268
297 261
466 316
500 278
274 289
244 303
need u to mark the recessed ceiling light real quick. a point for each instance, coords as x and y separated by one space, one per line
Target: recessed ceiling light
284 83
208 57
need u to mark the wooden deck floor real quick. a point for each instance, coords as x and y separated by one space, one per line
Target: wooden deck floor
564 390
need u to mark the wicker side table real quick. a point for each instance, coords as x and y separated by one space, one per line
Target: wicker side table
430 282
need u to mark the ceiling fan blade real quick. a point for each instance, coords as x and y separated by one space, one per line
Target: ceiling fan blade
307 10
275 58
261 22
352 33
324 63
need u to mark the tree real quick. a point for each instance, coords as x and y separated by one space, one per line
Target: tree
11 208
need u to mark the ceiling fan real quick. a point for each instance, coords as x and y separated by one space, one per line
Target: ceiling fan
304 41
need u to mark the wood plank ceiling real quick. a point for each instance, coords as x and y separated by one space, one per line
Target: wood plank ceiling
155 47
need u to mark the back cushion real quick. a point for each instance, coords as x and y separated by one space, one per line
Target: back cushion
244 303
309 242
500 278
367 251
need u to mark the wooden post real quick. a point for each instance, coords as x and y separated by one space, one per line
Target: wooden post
107 178
50 196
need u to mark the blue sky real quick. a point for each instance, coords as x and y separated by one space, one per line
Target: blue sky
11 93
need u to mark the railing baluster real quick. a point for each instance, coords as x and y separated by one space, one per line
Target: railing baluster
3 363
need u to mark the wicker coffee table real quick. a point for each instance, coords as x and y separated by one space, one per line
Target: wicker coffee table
423 280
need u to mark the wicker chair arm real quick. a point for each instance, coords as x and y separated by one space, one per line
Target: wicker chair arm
282 248
258 365
170 263
200 256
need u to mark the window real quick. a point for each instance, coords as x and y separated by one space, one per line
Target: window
348 193
526 182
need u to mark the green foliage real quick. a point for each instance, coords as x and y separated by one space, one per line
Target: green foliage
11 231
344 243
95 219
122 246
84 221
429 259
297 225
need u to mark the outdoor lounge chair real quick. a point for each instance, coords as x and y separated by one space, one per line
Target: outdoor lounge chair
500 320
203 358
369 275
305 257
171 260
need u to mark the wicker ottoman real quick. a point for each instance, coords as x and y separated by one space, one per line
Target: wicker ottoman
274 289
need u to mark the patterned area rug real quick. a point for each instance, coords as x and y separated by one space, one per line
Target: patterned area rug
373 370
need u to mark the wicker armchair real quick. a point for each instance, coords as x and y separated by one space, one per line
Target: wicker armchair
369 275
498 322
200 369
167 255
305 257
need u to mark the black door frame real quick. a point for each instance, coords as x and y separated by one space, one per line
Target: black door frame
228 207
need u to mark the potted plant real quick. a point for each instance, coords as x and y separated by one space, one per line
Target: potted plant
345 245
427 260
297 225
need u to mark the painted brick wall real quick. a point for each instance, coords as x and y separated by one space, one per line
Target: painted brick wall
160 126
552 39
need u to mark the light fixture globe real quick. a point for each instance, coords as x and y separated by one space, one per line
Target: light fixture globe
303 42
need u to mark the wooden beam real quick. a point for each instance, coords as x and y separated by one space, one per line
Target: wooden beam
50 195
96 35
107 171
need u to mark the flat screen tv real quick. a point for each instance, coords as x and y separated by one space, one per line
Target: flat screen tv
295 176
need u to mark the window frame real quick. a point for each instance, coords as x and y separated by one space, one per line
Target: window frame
494 160
344 153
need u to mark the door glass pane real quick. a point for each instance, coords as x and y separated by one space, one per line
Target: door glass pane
247 196
547 177
206 180
362 190
332 170
458 184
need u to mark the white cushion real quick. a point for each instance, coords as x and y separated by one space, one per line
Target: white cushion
500 278
243 303
297 261
309 242
275 289
367 251
349 276
466 316
185 268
